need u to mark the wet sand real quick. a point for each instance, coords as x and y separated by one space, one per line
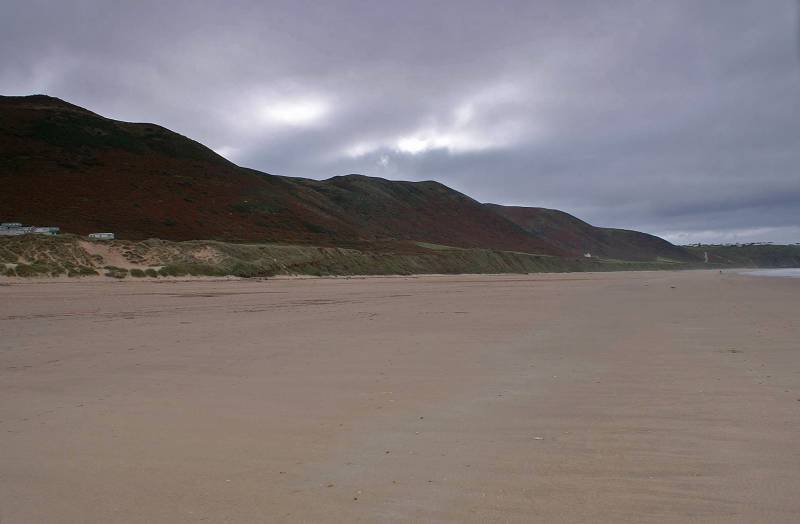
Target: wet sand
614 398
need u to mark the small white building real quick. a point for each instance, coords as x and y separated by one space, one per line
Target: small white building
101 236
46 230
16 228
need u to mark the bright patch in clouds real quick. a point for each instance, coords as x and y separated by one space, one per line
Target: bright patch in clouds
479 122
456 142
416 143
227 151
361 148
299 112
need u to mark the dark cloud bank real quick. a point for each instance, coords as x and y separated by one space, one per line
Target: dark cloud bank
681 118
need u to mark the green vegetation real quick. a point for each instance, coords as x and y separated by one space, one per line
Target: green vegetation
435 247
41 256
116 272
36 269
80 271
749 255
45 269
183 269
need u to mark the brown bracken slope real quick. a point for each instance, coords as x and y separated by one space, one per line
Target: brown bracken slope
65 166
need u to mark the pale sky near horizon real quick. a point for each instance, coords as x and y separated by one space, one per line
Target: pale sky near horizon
680 118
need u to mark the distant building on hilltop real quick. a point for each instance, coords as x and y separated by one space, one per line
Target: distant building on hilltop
101 236
16 228
46 230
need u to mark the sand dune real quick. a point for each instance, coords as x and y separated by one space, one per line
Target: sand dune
624 397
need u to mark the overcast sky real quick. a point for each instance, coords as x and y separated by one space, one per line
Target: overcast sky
680 118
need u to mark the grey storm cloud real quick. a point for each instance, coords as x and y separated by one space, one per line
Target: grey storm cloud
680 118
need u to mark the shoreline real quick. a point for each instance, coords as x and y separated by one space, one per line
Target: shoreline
5 280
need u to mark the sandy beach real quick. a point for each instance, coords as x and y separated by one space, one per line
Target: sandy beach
650 397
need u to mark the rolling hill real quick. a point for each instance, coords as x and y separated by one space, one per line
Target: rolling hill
66 166
573 235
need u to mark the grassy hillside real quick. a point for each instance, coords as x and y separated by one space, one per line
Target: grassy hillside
70 255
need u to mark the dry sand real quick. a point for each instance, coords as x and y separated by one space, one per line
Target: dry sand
626 397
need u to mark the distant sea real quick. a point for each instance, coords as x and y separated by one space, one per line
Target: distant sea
789 272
